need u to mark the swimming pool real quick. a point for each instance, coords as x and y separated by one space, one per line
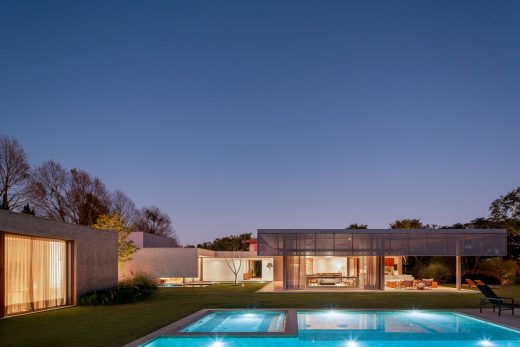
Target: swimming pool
239 322
340 328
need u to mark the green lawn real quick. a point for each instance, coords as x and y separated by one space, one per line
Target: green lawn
117 325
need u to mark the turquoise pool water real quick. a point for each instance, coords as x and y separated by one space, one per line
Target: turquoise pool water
369 329
239 322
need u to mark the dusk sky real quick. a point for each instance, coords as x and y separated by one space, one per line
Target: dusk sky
233 116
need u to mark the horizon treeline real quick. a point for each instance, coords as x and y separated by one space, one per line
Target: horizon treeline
69 195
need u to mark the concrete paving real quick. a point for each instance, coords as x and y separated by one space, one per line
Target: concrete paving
276 287
507 318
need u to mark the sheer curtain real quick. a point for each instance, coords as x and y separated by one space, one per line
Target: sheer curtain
35 273
370 272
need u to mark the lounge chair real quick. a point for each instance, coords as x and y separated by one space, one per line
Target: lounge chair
490 297
470 283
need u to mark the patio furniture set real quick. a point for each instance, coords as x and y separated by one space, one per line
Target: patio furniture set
412 284
332 279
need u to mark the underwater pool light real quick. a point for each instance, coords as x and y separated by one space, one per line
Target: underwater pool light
485 343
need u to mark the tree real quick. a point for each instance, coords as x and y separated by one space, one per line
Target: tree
407 224
47 190
227 243
88 198
121 204
154 221
236 256
357 226
505 213
69 196
14 171
117 223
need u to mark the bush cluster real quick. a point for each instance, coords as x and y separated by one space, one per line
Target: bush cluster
439 272
136 288
504 270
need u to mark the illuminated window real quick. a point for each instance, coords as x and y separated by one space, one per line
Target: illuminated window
35 273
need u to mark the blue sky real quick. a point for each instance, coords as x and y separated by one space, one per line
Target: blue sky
233 116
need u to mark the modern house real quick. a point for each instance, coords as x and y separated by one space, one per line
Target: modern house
176 265
310 259
368 258
47 264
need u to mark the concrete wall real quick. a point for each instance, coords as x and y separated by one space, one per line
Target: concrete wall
147 240
95 251
165 262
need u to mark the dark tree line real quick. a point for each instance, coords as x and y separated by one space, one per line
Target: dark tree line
68 195
227 243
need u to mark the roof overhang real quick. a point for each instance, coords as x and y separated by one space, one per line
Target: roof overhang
383 242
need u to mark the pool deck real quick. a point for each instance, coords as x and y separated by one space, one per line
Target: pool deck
506 319
291 328
276 287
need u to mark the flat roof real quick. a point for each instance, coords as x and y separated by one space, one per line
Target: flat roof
379 231
382 242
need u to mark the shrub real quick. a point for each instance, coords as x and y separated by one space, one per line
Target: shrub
505 270
136 288
485 277
439 272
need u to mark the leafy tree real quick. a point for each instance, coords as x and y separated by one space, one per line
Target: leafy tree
357 226
227 243
407 224
154 221
505 213
14 171
117 223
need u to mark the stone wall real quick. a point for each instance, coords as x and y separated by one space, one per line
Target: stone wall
95 251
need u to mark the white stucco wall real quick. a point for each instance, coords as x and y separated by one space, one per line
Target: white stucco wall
217 270
267 273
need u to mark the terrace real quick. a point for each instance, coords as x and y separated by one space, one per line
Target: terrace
120 325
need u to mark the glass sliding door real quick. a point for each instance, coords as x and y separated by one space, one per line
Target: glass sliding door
372 272
35 273
294 268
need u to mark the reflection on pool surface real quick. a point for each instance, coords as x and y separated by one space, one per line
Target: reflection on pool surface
239 321
369 329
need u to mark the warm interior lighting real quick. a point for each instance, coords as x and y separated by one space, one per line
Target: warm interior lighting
36 273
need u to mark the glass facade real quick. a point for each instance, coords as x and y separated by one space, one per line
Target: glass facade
345 258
